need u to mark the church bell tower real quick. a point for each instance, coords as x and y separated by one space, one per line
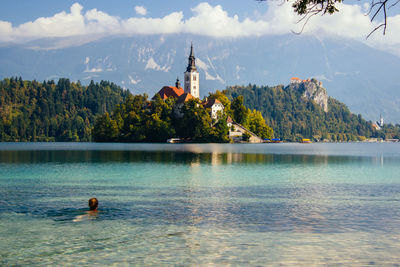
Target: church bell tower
192 76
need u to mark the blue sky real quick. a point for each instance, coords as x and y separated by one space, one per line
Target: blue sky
22 21
20 11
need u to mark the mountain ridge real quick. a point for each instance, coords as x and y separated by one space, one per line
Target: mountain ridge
145 64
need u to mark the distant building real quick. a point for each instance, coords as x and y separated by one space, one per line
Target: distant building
295 80
378 125
180 102
191 90
192 76
236 132
381 120
169 91
215 105
191 82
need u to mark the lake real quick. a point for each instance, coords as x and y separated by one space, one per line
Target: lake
200 204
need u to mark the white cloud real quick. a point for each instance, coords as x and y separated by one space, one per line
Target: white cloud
98 22
140 10
214 21
5 31
77 27
60 25
171 23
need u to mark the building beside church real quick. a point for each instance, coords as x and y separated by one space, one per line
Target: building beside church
168 91
215 106
378 125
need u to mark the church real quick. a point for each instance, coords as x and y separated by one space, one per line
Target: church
191 89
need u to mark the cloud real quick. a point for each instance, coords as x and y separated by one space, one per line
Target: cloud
140 10
78 27
214 21
60 25
171 23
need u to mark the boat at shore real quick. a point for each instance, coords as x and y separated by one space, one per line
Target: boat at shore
273 140
174 141
305 141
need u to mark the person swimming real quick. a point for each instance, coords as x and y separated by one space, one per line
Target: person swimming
93 203
92 213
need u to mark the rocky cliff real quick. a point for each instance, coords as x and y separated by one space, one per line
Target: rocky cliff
312 90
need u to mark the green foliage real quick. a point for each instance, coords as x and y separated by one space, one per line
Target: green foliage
224 100
105 129
66 111
140 120
292 117
103 112
257 125
239 111
389 131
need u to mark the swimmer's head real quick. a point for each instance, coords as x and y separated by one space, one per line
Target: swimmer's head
93 203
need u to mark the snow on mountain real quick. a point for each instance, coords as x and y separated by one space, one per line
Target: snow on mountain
362 77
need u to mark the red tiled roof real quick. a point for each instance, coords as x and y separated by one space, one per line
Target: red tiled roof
211 102
184 98
229 120
168 91
294 78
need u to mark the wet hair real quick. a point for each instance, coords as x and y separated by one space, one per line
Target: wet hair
93 203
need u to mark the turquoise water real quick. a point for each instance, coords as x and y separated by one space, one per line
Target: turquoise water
199 205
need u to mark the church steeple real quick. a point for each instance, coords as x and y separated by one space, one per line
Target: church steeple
192 64
177 83
192 76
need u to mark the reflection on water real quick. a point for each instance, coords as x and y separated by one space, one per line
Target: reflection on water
193 159
199 207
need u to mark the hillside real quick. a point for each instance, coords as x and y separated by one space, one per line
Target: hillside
299 110
34 111
348 68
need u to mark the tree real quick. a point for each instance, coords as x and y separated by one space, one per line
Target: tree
239 111
195 123
105 129
257 125
220 131
309 8
47 111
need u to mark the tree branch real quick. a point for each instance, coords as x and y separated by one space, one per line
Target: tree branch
310 8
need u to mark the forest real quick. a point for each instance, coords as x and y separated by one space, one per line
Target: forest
49 111
142 120
104 112
293 118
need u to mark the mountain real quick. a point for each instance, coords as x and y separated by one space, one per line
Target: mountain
363 78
